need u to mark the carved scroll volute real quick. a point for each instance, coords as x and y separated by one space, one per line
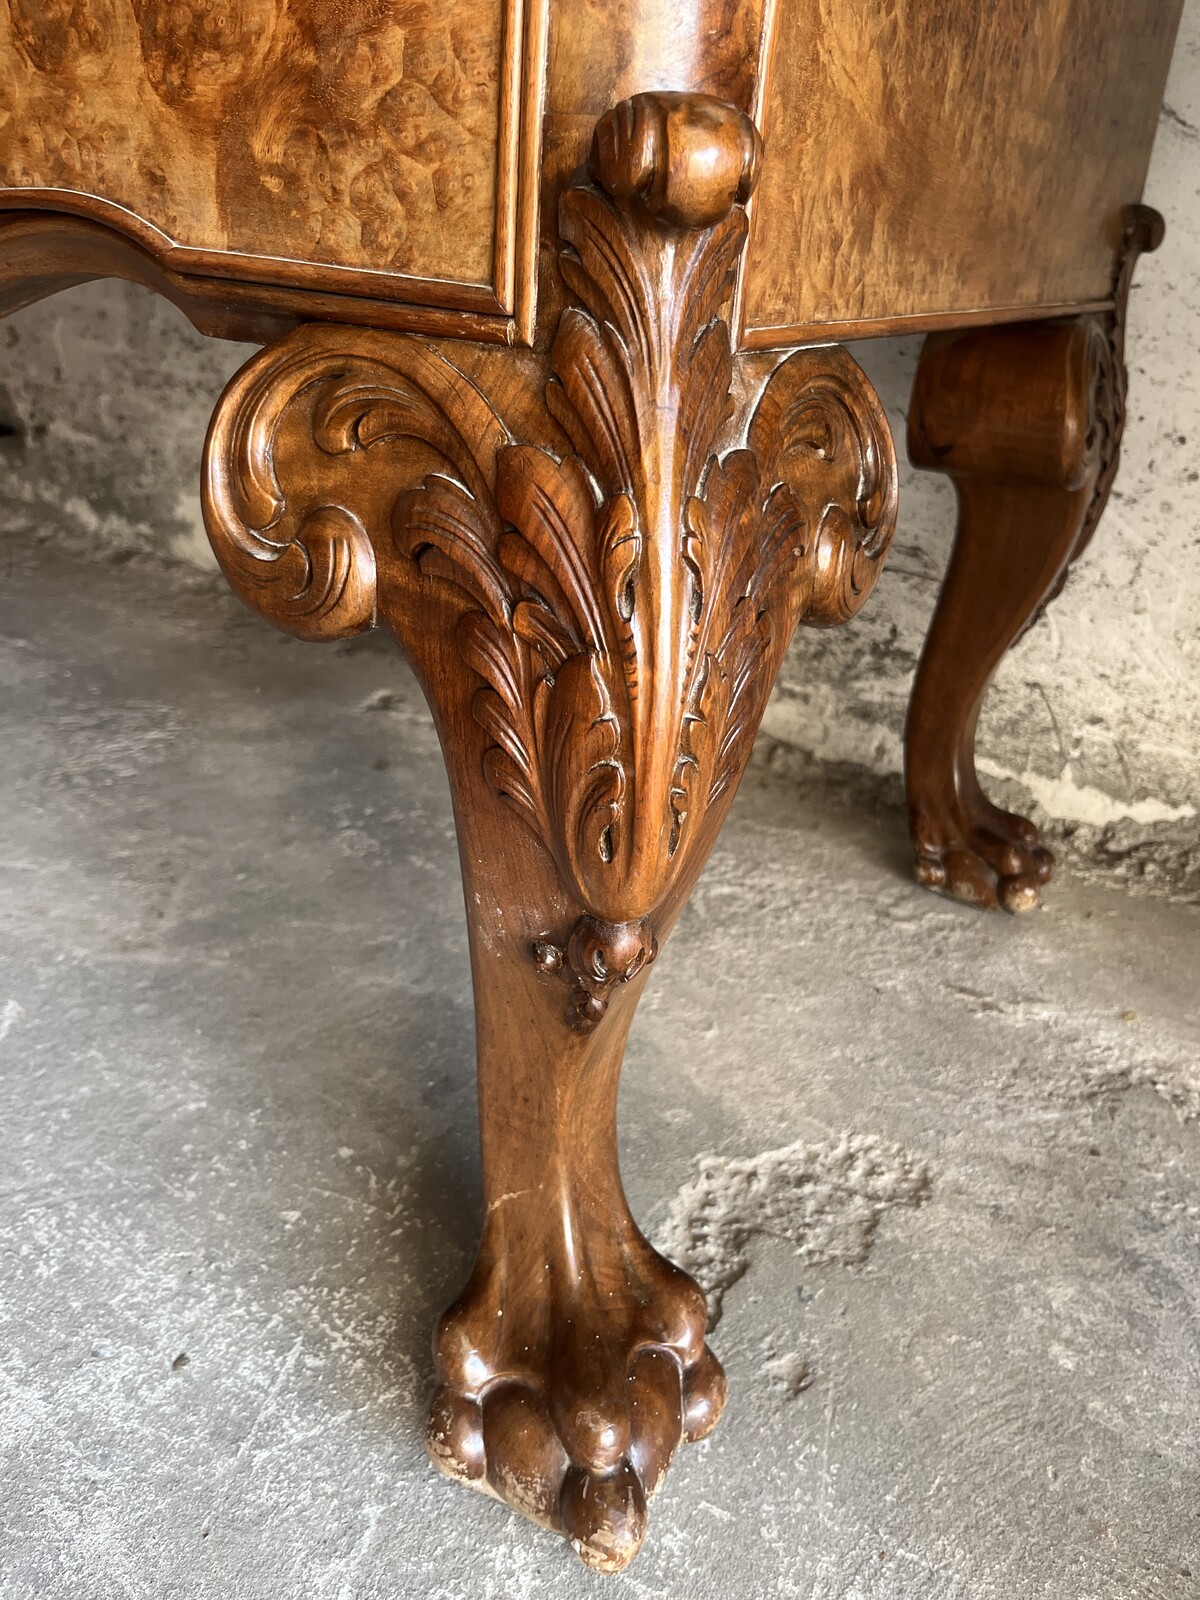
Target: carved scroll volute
822 439
303 560
313 575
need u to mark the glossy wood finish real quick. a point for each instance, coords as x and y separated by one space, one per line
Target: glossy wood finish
589 523
600 55
43 252
597 628
388 151
385 164
1027 420
933 163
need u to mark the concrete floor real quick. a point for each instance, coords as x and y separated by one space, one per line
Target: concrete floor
941 1170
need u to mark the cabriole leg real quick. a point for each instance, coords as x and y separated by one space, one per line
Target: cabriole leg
596 631
1027 421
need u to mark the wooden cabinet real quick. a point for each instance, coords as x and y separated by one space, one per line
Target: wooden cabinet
532 280
923 163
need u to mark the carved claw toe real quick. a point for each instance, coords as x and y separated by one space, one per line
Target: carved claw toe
704 1393
569 1407
604 1517
510 1444
983 856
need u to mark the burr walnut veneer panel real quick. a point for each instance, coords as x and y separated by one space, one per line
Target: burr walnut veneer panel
934 162
372 149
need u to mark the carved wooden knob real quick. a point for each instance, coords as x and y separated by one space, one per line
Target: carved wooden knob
688 158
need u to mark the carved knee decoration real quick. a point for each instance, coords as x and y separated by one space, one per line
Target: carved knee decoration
597 628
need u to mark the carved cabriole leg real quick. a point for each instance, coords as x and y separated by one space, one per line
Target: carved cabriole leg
597 631
1027 420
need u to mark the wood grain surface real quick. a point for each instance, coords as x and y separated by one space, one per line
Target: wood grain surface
383 138
597 627
1027 422
933 161
926 165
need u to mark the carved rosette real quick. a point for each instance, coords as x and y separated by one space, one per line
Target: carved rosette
624 607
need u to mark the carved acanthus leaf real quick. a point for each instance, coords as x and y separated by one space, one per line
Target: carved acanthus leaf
1142 231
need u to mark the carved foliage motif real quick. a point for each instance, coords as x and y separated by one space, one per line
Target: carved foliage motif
625 605
1142 231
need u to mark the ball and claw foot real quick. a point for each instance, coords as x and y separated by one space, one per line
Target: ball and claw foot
983 856
506 1443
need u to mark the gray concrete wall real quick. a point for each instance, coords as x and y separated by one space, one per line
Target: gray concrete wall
105 394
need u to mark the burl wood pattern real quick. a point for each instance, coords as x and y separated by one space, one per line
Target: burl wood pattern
597 627
601 54
952 160
367 137
1027 420
930 165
